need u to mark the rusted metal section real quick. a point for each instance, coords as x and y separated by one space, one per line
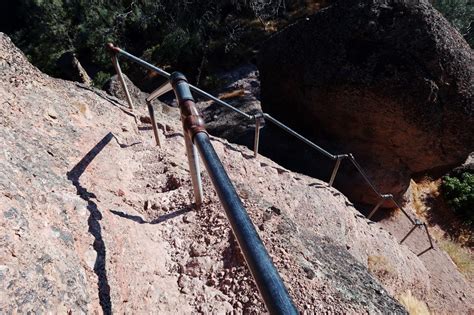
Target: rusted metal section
192 120
193 123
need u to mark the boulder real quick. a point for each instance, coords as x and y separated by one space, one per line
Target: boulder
390 81
71 69
113 87
240 89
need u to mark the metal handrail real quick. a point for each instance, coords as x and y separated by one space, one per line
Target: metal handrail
116 51
297 135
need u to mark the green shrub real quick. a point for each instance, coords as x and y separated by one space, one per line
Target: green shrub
459 193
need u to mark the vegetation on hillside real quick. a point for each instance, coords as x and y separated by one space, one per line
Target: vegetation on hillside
459 193
196 37
193 36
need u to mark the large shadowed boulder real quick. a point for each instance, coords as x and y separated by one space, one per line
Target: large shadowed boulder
390 81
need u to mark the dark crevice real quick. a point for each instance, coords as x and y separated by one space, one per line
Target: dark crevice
94 222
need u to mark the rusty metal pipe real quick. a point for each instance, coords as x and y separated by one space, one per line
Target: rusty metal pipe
192 123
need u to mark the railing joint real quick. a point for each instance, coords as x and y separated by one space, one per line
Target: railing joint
418 223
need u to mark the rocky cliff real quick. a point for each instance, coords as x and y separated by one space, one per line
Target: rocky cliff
95 218
390 81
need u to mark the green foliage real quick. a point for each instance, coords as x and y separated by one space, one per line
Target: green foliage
459 193
175 33
461 14
100 78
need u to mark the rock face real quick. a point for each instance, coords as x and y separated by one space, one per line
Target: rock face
113 87
95 218
241 90
390 81
71 68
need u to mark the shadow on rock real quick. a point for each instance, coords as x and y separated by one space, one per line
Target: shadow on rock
158 220
94 225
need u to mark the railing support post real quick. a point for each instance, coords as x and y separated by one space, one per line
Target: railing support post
122 80
153 95
334 171
429 236
258 120
151 111
408 234
379 204
194 169
376 208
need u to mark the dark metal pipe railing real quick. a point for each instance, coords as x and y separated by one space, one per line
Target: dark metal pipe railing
269 283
